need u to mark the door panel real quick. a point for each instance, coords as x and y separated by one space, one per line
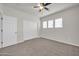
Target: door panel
9 31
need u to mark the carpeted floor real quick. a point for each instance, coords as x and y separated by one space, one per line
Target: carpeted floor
40 47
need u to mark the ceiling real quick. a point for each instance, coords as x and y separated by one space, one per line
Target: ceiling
28 8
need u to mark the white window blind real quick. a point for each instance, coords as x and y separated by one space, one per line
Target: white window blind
50 24
44 24
58 23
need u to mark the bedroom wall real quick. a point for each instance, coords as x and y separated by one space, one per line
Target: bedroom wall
69 33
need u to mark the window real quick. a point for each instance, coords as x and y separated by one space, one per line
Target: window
58 23
45 24
50 24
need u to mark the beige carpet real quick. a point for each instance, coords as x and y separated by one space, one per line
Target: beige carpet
40 47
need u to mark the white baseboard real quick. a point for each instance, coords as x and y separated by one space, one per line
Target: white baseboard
25 39
62 42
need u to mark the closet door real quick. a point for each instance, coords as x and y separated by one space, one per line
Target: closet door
29 30
9 31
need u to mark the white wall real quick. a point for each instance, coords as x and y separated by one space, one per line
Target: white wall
21 16
69 33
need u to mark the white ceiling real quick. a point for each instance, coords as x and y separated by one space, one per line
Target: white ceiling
28 8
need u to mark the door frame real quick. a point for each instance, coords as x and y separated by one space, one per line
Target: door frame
1 30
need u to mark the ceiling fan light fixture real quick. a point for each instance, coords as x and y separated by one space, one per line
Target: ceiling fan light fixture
41 7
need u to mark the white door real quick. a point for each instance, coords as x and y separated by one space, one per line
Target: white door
9 31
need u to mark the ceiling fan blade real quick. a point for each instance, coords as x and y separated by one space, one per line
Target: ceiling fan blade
46 8
47 4
35 6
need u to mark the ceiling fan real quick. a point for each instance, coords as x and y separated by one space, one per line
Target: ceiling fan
42 6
